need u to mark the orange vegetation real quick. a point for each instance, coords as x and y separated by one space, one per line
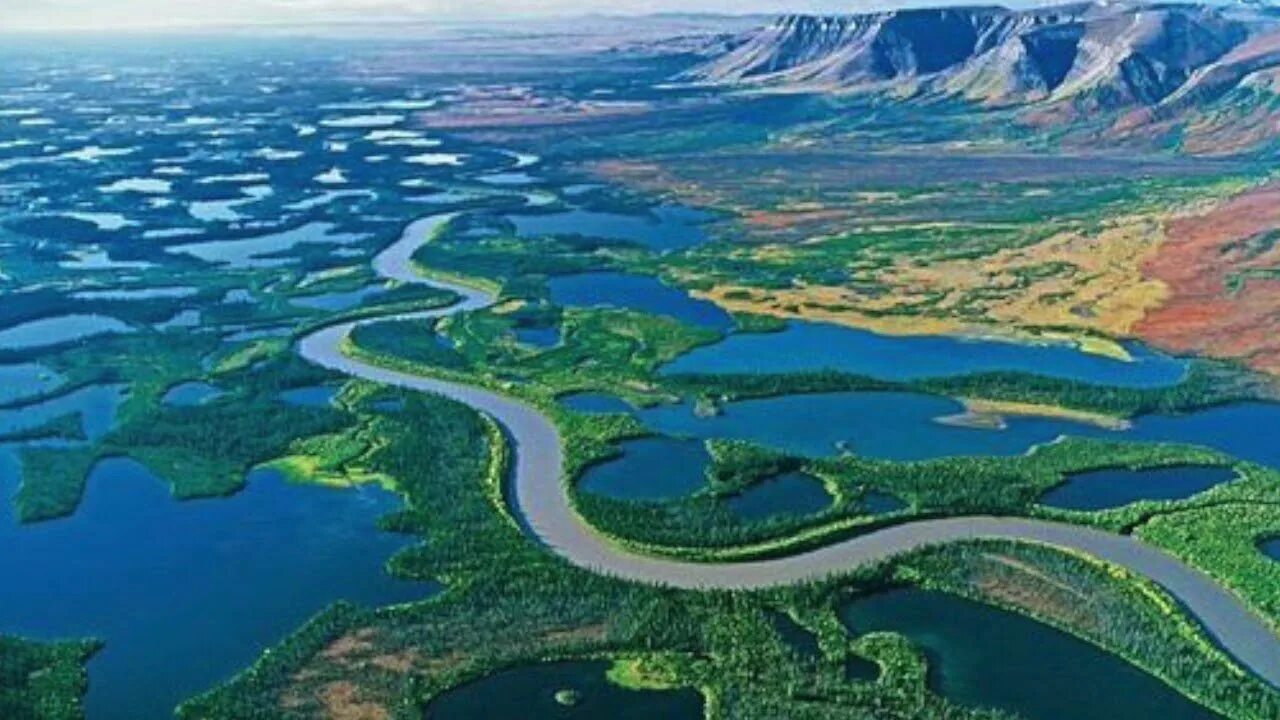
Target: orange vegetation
1224 298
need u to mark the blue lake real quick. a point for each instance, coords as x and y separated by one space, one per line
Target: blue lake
903 426
636 292
1113 488
652 468
57 330
982 656
539 337
595 403
805 346
95 404
338 301
668 227
186 594
25 380
264 250
792 494
313 396
192 393
1271 548
530 692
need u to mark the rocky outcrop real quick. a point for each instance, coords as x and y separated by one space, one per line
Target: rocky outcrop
1103 56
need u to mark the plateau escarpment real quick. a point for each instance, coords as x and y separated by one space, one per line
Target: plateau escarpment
1125 71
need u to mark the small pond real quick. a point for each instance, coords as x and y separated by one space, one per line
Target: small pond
791 494
980 655
312 396
642 293
539 337
652 468
561 691
190 394
1116 487
595 403
1271 548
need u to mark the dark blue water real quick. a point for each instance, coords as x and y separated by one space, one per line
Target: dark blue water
1271 548
539 337
902 426
314 396
1112 488
983 656
191 393
95 404
654 468
637 292
529 693
816 346
595 403
338 301
669 227
26 380
187 593
879 503
792 494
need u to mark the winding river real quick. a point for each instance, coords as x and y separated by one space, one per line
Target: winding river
540 496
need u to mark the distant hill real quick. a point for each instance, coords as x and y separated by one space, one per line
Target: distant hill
1208 74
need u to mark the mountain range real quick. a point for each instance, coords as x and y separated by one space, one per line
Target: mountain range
1209 75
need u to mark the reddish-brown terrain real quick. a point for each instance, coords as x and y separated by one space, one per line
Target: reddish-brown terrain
1222 269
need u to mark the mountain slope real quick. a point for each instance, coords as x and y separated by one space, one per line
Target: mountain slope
1158 67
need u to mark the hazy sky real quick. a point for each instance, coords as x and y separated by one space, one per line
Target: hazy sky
100 14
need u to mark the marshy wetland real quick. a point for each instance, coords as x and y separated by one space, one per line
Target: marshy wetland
311 400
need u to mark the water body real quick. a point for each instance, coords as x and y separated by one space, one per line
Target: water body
339 301
983 656
529 692
176 292
313 396
880 503
806 346
667 227
539 337
795 636
95 404
903 426
190 394
25 380
1113 488
652 468
58 330
641 293
595 403
1271 548
187 593
792 494
252 252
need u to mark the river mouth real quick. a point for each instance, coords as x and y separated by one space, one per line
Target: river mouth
982 656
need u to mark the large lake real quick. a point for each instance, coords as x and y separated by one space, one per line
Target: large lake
983 656
187 593
805 346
